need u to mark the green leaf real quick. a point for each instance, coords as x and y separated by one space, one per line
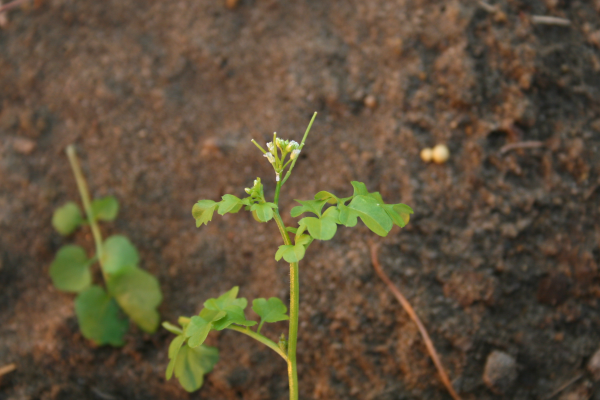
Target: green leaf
328 197
203 211
99 317
272 310
320 228
302 239
232 307
119 254
347 217
263 212
70 270
332 213
290 253
313 206
174 348
172 328
193 363
229 204
138 294
105 208
359 188
67 218
372 214
377 197
197 330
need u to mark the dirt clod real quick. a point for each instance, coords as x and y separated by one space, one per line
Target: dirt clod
594 365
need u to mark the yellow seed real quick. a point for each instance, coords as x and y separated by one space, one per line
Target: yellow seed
440 154
426 154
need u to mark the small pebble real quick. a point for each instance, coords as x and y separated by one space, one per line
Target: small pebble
500 371
23 146
440 154
426 154
370 101
594 366
231 4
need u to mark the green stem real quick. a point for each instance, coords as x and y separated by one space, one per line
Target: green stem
85 198
294 302
257 336
289 172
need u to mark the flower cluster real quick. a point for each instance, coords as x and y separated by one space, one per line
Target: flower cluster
278 150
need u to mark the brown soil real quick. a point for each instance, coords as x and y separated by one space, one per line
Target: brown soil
162 99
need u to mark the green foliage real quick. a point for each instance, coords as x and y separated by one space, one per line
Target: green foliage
105 208
191 364
138 294
131 290
99 317
327 211
203 211
67 218
272 310
70 270
119 254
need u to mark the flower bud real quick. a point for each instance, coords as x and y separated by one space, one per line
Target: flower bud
294 154
270 146
270 157
247 190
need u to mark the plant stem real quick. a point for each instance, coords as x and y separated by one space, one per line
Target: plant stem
257 336
289 171
294 302
85 198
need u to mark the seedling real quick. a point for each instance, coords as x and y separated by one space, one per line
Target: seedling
129 289
189 358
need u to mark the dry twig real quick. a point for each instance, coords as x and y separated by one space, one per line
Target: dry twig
488 7
546 20
531 144
11 5
411 313
563 387
7 368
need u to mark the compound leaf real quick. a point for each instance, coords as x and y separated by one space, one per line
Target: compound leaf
229 204
347 217
263 212
320 228
197 331
313 206
372 214
231 306
70 270
272 310
105 208
138 293
193 363
174 348
67 218
99 317
290 253
328 197
119 254
359 188
203 211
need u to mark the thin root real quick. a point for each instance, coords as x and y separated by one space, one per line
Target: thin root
564 386
411 312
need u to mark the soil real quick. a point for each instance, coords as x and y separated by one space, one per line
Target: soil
162 98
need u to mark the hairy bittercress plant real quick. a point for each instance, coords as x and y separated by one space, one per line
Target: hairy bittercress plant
189 358
129 288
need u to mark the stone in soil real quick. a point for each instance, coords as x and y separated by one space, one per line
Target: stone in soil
500 371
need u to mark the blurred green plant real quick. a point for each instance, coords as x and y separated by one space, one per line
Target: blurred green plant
130 291
189 358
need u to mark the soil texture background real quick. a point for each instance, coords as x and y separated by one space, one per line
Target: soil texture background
161 99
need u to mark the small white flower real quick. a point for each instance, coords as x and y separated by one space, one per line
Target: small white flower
270 157
277 176
247 190
293 145
255 182
270 146
294 154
